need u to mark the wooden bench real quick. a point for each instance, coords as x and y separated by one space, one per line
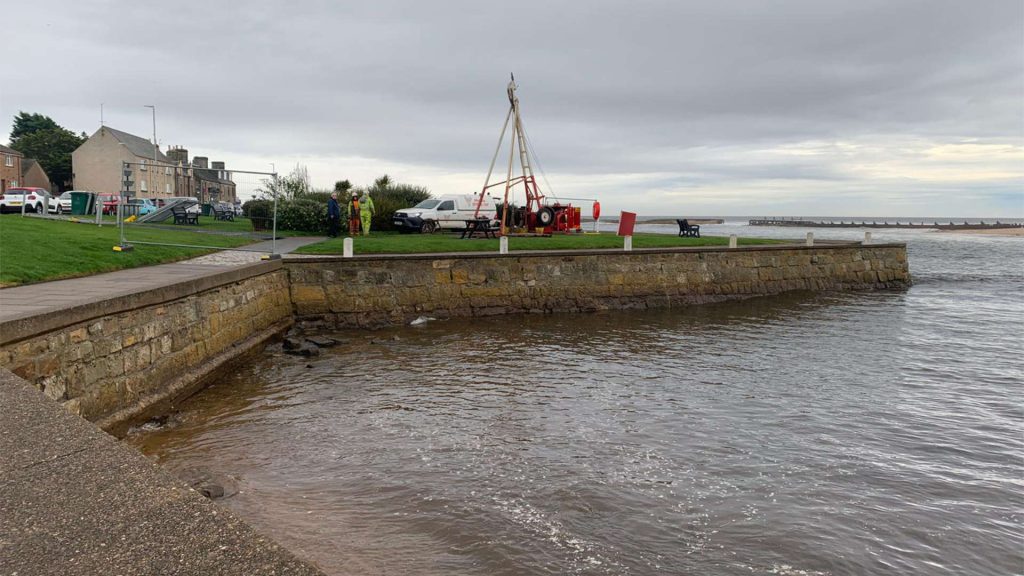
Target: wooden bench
688 230
481 225
183 216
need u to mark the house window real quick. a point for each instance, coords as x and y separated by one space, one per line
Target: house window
143 167
167 169
9 160
167 188
142 186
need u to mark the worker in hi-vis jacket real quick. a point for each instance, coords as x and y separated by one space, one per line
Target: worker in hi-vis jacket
353 211
366 211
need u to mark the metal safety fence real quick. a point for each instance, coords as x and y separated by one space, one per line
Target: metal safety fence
200 197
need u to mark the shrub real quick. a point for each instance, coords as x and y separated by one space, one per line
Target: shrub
390 198
302 215
258 209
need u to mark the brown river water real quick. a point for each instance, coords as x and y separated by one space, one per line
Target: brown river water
805 434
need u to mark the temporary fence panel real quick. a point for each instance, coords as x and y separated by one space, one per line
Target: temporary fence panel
199 197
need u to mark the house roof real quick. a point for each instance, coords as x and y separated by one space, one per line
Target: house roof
27 165
7 150
138 146
210 175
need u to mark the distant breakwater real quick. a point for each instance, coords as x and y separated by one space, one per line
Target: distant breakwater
935 225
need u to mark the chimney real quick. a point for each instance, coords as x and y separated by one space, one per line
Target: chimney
178 155
217 165
201 162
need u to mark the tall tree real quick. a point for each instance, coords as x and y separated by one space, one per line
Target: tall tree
25 123
52 148
342 186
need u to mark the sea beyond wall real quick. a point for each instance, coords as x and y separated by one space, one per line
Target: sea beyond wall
131 356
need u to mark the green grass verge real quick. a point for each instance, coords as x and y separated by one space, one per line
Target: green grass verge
393 243
36 249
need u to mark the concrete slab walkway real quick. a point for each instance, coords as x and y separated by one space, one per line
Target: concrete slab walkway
35 299
75 501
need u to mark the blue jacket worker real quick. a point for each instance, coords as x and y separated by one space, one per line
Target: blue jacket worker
333 215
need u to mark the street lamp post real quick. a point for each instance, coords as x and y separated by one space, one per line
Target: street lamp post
153 107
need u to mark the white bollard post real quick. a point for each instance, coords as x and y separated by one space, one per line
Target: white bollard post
503 245
628 244
732 241
867 237
347 250
810 238
595 225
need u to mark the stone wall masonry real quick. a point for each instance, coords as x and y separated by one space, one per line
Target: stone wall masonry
116 365
376 290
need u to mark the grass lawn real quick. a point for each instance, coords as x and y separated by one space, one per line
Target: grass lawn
394 243
36 249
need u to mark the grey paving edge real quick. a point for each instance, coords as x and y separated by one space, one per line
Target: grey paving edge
74 501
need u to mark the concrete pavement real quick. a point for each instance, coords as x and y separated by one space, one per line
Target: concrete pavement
75 501
47 297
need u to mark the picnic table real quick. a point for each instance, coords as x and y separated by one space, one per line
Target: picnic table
479 225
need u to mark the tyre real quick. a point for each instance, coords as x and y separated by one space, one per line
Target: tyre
545 216
428 227
59 210
40 209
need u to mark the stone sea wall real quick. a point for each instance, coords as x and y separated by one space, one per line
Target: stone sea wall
134 355
370 291
111 362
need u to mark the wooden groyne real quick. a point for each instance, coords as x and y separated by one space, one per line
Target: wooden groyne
934 225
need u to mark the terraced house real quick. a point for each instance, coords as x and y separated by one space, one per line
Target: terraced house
10 168
97 165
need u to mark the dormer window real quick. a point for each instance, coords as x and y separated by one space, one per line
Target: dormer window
9 160
143 166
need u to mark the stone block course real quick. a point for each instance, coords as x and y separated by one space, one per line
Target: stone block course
357 292
102 365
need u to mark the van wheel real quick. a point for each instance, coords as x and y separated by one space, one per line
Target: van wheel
428 227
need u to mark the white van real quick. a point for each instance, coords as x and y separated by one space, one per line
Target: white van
449 211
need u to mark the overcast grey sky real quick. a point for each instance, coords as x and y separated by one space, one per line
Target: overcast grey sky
795 107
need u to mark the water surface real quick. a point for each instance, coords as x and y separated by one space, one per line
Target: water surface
866 433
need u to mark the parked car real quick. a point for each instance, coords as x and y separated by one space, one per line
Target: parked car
61 204
450 211
35 200
109 203
145 205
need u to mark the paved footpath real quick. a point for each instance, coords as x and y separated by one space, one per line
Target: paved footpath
35 299
75 501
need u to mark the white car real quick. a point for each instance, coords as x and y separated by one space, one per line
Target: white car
61 204
34 200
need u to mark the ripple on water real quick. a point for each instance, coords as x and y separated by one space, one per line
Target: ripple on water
802 434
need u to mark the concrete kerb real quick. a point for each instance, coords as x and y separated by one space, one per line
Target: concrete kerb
28 325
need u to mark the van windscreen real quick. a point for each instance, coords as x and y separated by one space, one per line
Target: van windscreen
427 204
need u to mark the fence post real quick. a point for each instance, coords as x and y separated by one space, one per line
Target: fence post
732 241
503 245
867 237
810 238
627 244
347 248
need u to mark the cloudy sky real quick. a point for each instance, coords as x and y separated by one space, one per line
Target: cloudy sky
704 107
